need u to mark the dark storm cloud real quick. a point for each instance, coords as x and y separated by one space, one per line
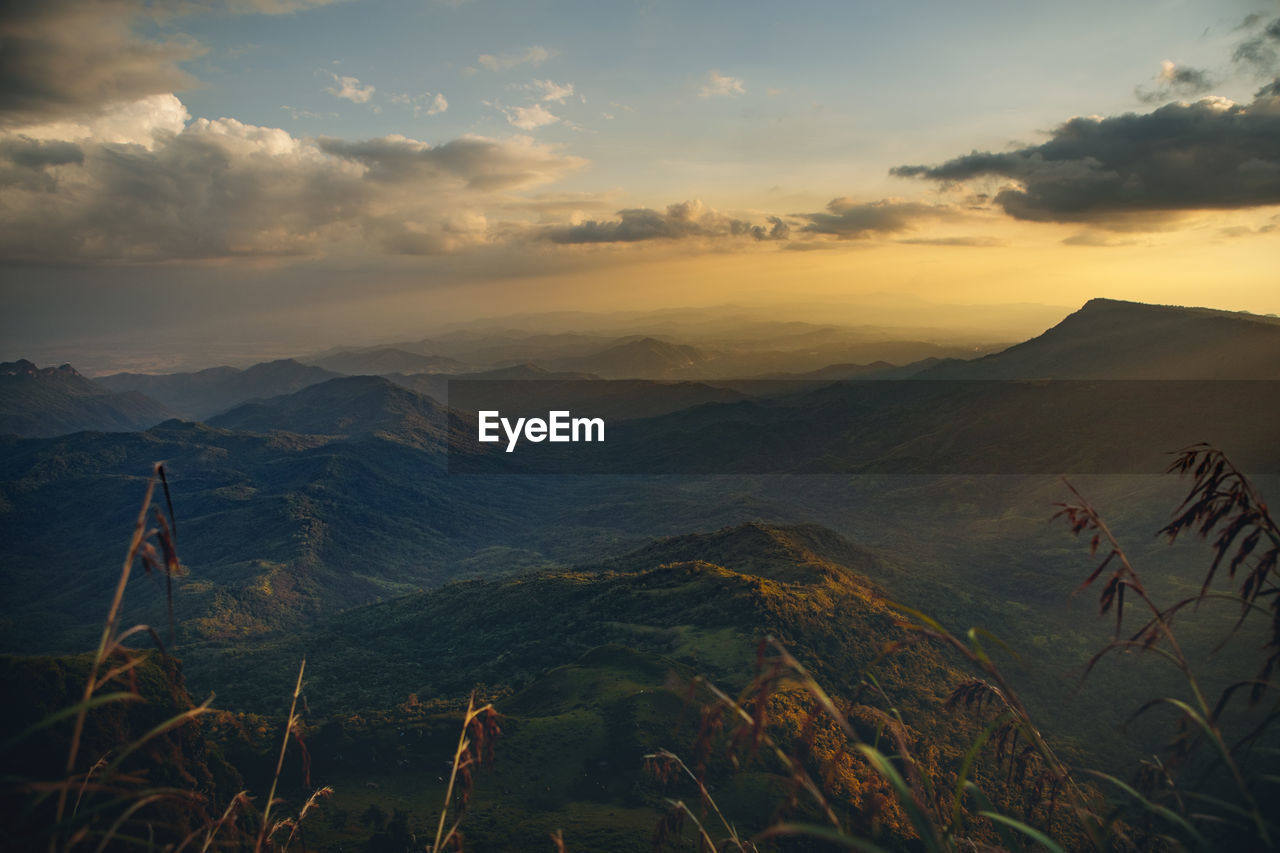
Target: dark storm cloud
1211 154
850 220
681 221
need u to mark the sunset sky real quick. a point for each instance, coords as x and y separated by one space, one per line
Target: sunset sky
285 170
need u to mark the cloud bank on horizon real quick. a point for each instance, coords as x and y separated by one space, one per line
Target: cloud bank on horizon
102 162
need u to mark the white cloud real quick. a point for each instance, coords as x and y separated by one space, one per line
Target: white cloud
297 113
424 104
140 187
134 122
530 118
722 85
535 55
349 88
682 221
547 91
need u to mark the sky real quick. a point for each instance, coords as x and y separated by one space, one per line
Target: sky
279 172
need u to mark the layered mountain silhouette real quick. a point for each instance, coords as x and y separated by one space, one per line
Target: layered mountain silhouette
205 393
37 402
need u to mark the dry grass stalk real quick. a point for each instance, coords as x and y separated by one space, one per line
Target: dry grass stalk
475 747
291 726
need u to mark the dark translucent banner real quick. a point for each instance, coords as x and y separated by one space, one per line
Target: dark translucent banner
856 427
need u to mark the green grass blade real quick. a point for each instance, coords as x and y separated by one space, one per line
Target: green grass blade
822 833
883 766
1031 832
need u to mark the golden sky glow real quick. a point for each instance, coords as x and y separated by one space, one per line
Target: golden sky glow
347 169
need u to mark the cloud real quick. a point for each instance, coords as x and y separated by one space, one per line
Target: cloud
847 219
64 59
721 85
221 188
483 164
349 88
532 56
134 122
1237 231
547 91
974 242
1258 52
557 208
424 104
1095 240
685 220
1174 80
297 113
1132 171
70 59
531 118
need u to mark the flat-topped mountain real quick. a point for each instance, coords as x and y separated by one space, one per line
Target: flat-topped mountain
207 392
39 402
1111 339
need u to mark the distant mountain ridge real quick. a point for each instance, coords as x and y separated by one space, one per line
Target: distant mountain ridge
39 402
647 358
22 367
1113 339
208 392
348 406
384 360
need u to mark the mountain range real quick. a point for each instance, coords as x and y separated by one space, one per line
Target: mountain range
1112 339
337 520
57 400
341 492
207 392
592 668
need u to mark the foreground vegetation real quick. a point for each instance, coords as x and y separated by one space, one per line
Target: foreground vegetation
897 734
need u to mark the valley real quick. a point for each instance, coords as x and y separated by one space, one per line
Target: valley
357 522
